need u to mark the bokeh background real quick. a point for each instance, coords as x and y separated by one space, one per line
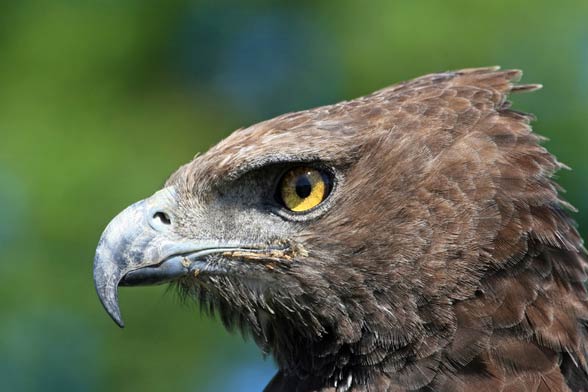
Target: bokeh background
101 100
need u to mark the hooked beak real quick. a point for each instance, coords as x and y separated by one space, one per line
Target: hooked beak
139 247
134 239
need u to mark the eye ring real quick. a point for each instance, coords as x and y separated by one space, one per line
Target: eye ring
303 188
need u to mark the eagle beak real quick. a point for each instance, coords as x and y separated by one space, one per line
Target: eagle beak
139 248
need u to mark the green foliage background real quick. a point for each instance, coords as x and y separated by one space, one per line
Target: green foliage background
101 100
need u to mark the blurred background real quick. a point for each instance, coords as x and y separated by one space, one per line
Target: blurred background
101 100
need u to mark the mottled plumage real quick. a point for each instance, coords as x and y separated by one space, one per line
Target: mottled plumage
443 259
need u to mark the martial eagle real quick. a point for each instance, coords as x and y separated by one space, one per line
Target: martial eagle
412 239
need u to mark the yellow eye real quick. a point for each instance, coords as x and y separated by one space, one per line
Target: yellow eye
303 188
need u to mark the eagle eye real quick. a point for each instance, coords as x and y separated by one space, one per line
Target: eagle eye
303 188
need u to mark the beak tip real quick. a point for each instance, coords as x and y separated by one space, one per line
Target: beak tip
108 296
114 312
120 323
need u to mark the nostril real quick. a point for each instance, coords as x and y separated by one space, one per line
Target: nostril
162 217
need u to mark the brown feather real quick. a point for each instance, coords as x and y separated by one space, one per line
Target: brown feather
448 261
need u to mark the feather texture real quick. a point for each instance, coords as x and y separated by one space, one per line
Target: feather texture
448 261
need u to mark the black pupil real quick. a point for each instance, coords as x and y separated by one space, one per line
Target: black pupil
303 186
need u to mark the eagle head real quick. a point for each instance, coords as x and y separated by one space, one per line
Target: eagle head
391 240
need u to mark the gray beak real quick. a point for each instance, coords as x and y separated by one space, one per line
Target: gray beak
139 248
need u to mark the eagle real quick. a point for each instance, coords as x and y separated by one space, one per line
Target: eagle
409 240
